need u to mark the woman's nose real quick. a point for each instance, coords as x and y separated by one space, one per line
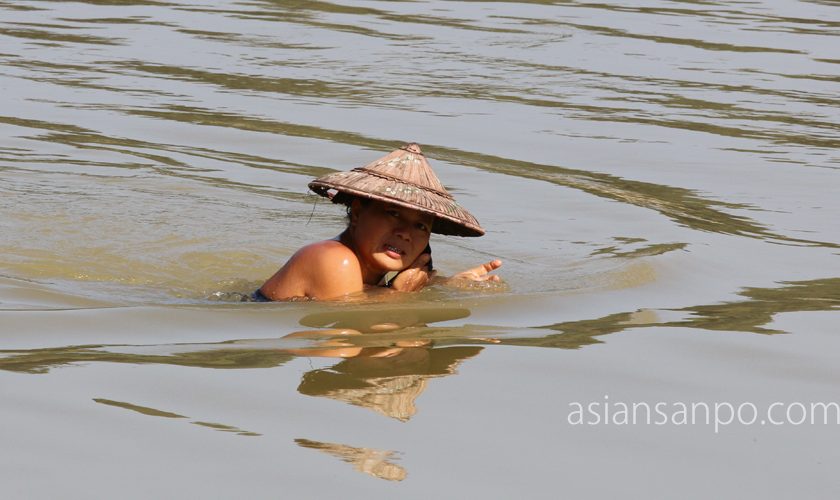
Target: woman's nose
403 231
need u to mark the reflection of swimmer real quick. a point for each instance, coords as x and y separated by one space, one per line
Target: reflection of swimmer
386 380
393 204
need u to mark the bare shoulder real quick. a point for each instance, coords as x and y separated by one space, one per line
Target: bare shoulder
323 270
326 252
331 269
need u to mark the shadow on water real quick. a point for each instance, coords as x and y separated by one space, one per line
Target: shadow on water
222 355
684 206
153 412
305 13
158 157
51 36
400 341
303 87
750 315
312 13
388 356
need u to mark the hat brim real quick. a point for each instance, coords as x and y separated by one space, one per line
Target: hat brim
450 218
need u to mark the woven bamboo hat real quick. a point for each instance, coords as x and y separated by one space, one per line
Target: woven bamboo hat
403 178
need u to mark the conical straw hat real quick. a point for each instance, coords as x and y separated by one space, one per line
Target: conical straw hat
404 178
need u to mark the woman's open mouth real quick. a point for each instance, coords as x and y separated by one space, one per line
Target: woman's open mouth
393 252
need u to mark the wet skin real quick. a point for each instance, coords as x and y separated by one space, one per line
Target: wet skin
380 238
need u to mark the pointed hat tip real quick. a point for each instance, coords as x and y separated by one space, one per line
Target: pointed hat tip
412 147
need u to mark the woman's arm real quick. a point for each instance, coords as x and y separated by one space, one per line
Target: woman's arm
418 275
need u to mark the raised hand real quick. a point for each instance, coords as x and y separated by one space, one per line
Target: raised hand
479 273
415 276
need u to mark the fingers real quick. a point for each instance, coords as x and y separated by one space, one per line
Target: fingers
415 277
418 275
493 265
415 274
488 267
420 261
485 268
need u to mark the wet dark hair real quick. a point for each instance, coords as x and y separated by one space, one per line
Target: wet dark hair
347 201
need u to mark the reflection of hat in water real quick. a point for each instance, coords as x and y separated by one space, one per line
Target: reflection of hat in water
403 178
388 385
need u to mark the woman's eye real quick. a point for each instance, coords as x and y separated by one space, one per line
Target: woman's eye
393 213
422 226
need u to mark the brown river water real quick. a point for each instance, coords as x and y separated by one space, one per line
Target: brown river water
660 178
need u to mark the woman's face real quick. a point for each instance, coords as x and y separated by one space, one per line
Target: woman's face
388 237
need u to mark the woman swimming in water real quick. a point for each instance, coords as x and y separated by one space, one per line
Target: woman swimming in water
393 204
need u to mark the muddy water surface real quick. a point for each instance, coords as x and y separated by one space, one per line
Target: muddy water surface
660 178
